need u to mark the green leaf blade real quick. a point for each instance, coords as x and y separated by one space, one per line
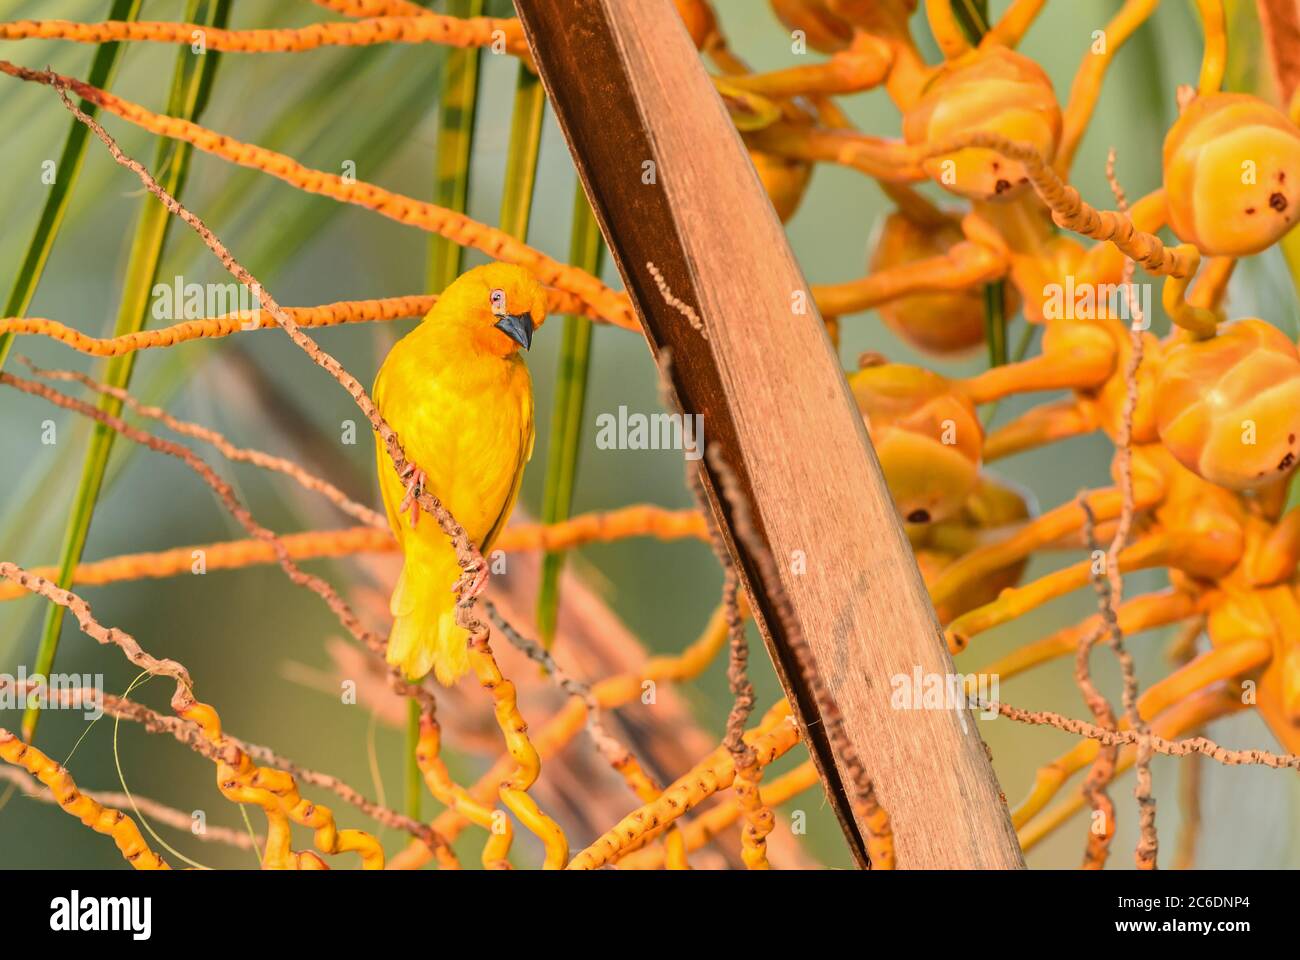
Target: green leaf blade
586 250
191 84
457 110
66 172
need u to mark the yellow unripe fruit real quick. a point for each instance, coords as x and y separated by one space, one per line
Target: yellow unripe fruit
1228 408
785 181
939 323
928 438
996 91
1232 174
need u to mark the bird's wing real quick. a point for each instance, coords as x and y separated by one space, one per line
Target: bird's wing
527 438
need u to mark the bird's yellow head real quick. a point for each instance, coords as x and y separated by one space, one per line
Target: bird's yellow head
497 305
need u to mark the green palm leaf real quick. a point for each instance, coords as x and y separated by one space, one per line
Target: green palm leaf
586 250
457 108
191 83
65 177
522 153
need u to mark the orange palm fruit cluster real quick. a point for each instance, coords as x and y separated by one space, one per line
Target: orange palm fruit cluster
927 436
1232 174
1228 408
994 90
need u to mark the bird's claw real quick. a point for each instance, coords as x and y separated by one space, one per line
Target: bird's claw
473 581
415 484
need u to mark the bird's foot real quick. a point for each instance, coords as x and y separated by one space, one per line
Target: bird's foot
415 484
473 581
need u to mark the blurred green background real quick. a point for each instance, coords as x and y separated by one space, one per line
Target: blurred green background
377 109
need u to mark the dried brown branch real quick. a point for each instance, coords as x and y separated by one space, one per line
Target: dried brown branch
110 636
1113 595
257 458
346 616
1102 770
742 690
1174 748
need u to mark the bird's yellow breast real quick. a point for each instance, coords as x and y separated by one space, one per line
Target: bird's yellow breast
466 418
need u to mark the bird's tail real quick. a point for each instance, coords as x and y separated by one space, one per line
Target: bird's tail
425 635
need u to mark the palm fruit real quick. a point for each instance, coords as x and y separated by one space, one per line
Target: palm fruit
1232 174
996 91
1228 408
927 436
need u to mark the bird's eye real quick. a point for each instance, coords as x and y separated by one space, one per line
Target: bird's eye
498 300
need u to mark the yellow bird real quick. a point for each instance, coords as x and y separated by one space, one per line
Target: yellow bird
460 399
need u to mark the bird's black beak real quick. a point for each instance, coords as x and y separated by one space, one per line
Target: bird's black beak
518 327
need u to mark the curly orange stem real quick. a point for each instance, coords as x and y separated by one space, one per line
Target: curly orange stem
716 772
712 822
565 725
240 780
528 763
428 757
101 819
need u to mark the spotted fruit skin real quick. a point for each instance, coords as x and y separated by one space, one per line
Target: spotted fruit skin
996 91
1232 174
927 437
937 323
1228 408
